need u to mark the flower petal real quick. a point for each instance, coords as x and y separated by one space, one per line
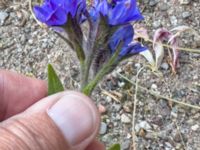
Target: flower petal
124 34
124 12
132 49
59 17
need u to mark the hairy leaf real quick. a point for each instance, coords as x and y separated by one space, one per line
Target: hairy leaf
115 147
54 83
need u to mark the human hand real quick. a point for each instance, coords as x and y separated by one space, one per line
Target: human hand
31 121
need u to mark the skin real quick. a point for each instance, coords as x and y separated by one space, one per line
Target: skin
25 124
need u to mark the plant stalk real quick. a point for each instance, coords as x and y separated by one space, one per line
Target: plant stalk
104 70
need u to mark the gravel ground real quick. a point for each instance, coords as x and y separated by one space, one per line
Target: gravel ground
159 124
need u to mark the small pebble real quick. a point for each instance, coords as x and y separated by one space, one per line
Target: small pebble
168 146
156 24
125 145
127 108
185 2
142 125
116 107
163 6
178 146
164 66
30 41
145 1
173 114
195 77
173 20
121 84
138 65
154 86
3 17
186 14
103 128
101 108
195 127
153 2
125 118
108 99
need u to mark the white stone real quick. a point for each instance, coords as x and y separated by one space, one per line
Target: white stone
142 125
195 127
164 66
103 128
145 125
125 118
185 2
3 16
154 86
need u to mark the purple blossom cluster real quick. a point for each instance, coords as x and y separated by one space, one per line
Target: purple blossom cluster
116 13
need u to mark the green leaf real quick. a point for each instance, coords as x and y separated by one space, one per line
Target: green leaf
54 83
115 147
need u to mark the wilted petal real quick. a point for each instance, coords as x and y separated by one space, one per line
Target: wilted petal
159 36
149 56
159 52
174 44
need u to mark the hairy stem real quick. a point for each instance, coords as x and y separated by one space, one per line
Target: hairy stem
91 51
104 70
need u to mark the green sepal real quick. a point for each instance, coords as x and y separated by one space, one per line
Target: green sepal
115 147
54 83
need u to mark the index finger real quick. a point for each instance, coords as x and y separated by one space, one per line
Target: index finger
18 92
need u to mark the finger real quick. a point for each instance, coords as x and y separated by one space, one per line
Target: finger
96 145
18 92
65 121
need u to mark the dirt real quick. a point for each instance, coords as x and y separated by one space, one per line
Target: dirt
159 123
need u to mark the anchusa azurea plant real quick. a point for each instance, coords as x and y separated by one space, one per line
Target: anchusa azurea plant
108 41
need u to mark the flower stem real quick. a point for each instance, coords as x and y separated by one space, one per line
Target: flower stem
104 70
91 51
85 69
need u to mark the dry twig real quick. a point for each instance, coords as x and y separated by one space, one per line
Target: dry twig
160 96
134 109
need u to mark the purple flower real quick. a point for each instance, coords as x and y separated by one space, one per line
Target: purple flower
118 11
125 34
55 12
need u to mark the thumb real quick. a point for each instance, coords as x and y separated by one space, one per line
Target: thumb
65 121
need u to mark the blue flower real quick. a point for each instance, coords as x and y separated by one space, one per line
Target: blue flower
55 12
118 11
125 34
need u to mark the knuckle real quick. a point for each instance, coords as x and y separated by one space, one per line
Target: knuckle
30 134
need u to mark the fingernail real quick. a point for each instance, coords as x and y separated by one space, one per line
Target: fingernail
75 118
